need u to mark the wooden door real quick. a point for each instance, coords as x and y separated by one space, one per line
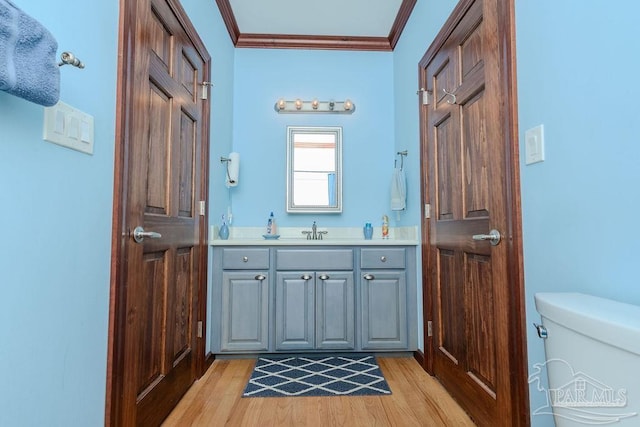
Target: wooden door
159 282
469 157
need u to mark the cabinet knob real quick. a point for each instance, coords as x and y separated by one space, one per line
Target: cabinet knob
383 258
245 258
260 277
323 277
369 277
305 277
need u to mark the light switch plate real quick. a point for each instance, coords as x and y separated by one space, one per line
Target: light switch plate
68 127
534 145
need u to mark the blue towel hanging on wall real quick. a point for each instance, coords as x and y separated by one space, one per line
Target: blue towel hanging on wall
28 66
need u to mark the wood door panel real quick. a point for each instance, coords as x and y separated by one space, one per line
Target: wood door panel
187 74
150 315
476 161
447 166
158 149
480 322
451 321
183 304
160 38
187 165
470 46
444 79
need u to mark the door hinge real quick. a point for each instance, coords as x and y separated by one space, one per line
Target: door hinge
429 328
427 210
426 95
203 207
205 90
199 331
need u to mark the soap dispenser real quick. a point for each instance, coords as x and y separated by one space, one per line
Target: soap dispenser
223 232
272 228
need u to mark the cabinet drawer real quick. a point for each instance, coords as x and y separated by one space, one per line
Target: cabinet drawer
245 259
309 259
382 258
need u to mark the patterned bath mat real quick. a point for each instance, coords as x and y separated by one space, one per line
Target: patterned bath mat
316 375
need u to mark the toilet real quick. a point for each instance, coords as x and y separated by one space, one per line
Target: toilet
592 348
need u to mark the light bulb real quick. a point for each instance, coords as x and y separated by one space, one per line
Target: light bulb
298 104
348 105
281 104
315 104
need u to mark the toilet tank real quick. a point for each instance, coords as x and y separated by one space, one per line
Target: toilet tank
592 360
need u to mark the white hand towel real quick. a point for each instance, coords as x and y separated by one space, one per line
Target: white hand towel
398 191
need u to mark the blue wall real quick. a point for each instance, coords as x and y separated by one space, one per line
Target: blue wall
56 238
577 75
262 76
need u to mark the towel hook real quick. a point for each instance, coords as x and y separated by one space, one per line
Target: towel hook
451 95
70 59
402 154
227 160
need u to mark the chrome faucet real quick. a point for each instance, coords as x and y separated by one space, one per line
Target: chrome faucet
314 234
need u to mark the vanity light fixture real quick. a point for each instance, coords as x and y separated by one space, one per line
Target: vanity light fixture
299 106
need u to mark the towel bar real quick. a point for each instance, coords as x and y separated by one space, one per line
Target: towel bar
68 58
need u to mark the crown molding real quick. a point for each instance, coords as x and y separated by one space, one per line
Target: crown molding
292 41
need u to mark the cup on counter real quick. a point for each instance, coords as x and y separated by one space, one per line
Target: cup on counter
368 231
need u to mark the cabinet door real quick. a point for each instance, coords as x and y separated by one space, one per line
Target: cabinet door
384 310
245 311
295 311
335 310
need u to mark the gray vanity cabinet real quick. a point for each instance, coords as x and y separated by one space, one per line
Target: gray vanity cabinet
383 299
245 292
294 298
315 308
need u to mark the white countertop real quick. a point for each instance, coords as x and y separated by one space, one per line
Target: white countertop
336 236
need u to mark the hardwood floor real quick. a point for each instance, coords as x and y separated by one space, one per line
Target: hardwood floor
417 399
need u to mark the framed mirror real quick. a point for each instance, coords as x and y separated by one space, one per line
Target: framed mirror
314 169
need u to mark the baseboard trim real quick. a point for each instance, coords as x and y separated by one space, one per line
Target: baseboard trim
208 361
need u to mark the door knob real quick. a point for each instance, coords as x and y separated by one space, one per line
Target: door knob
139 234
493 237
323 277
